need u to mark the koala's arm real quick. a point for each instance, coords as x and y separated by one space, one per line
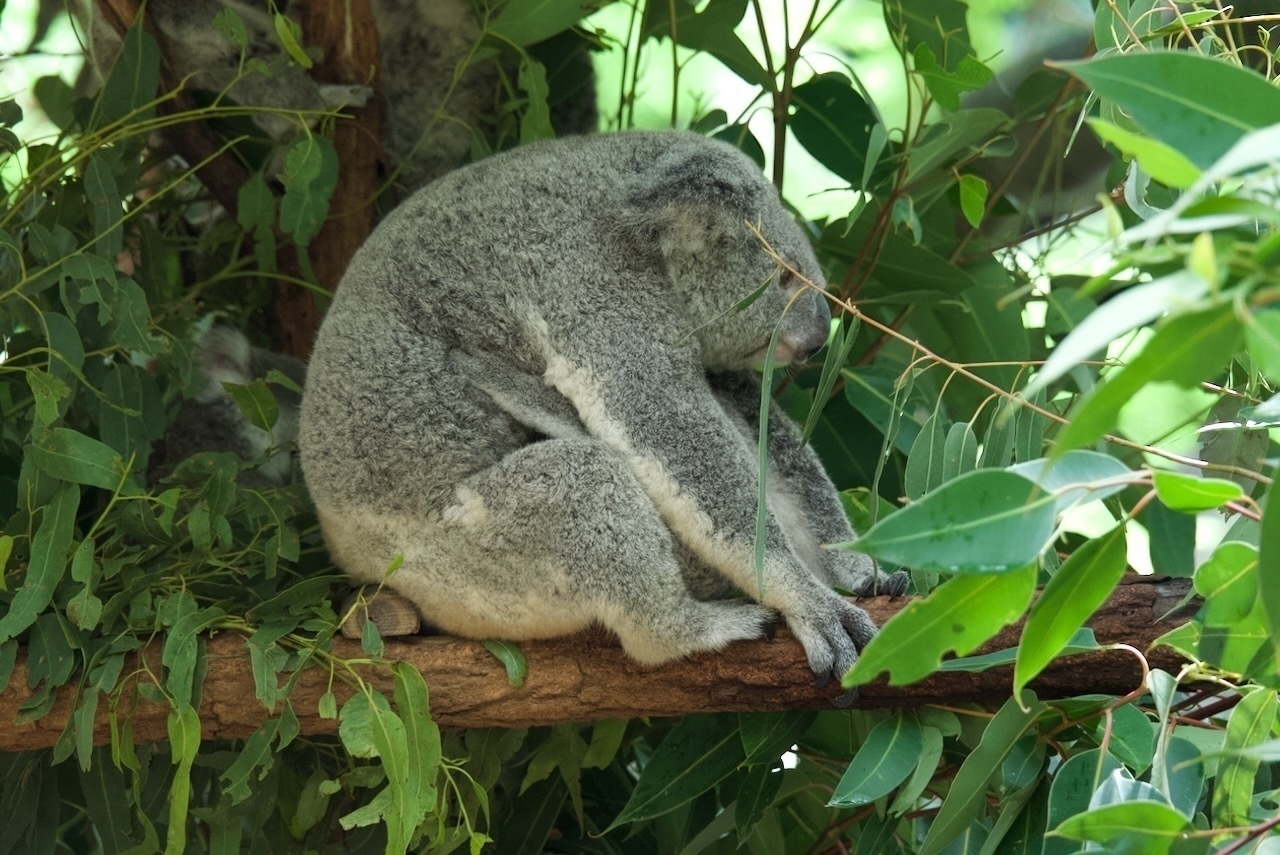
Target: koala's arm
802 478
526 398
694 462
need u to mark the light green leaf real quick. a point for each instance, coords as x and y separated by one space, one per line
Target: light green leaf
926 766
289 34
1262 340
1136 820
947 87
987 521
882 763
1081 585
512 659
1228 584
1125 312
1077 477
1268 569
926 461
973 198
1162 162
1192 493
1198 105
1250 724
959 615
535 121
1185 350
422 736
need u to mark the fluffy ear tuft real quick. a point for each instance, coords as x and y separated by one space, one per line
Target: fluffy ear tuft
714 174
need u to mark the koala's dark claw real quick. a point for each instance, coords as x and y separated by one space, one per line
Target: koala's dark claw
821 681
846 698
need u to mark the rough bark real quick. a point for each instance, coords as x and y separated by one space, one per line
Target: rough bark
587 677
348 36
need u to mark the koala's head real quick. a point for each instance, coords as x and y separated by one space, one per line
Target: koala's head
694 206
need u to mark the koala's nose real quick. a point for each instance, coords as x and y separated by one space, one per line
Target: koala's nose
811 326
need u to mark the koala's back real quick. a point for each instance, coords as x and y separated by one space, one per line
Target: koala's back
468 263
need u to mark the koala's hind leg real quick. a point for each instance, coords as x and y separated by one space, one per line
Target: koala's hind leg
555 536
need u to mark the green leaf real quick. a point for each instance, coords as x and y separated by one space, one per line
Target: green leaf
959 615
69 455
968 793
289 34
255 402
1077 477
1125 312
926 766
1268 569
47 563
1133 823
926 462
1162 162
1250 724
710 31
960 452
1073 594
765 736
1228 584
1185 350
756 794
973 198
232 28
132 83
535 121
1198 105
833 122
252 763
1193 493
512 659
882 763
422 737
946 87
523 22
310 175
184 743
1262 340
699 752
986 521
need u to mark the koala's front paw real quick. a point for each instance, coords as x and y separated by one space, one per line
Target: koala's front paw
859 575
832 631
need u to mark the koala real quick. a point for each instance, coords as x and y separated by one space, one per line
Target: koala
211 421
438 100
534 385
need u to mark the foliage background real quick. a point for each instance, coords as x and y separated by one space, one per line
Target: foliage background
1041 398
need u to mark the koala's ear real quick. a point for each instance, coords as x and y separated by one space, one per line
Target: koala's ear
696 175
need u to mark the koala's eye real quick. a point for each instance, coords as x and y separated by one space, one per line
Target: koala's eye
787 280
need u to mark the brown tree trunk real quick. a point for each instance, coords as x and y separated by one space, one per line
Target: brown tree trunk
587 677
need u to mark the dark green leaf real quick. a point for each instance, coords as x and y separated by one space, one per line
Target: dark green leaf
697 754
833 122
48 562
882 763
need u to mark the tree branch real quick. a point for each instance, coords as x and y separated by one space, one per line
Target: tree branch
587 677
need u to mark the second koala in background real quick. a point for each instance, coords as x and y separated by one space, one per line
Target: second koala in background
211 421
534 385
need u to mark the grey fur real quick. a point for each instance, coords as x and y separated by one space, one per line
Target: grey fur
211 421
533 384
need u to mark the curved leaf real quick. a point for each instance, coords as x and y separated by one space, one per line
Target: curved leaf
987 521
959 615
